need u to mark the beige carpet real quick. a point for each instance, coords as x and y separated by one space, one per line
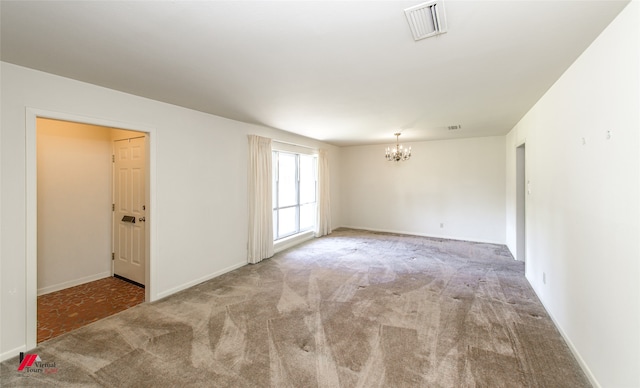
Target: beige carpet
354 309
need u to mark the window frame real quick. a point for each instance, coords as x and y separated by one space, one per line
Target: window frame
276 151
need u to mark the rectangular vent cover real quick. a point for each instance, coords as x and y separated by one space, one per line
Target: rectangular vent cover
426 19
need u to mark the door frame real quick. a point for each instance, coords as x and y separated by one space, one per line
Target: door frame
114 219
521 202
31 204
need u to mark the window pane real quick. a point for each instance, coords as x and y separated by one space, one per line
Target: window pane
287 221
307 216
287 195
307 179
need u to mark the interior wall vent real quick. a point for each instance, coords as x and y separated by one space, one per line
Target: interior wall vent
426 19
454 127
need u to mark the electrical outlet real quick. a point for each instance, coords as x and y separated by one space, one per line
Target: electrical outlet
441 225
544 278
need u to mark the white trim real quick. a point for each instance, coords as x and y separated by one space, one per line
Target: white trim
292 148
567 340
31 202
200 280
1 260
73 283
291 241
31 230
444 237
13 353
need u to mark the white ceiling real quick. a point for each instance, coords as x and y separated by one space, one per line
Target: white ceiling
345 72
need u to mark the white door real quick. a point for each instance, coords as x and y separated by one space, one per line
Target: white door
129 209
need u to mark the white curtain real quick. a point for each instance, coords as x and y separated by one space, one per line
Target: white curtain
260 200
324 195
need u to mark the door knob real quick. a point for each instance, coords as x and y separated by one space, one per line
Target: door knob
142 219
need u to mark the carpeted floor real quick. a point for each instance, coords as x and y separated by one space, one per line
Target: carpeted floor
354 309
69 309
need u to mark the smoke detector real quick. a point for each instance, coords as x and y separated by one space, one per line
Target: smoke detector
426 19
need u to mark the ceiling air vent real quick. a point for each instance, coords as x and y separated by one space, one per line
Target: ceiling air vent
426 19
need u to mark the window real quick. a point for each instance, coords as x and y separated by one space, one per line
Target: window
294 193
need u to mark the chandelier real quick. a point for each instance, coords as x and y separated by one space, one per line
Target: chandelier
398 152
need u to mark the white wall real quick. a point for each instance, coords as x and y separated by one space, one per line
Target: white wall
74 204
583 213
200 188
457 183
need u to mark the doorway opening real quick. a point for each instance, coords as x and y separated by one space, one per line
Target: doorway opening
521 195
82 189
70 202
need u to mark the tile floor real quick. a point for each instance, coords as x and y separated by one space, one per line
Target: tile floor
65 310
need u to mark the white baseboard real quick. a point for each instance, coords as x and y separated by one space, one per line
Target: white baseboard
583 365
192 283
12 353
444 237
72 283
